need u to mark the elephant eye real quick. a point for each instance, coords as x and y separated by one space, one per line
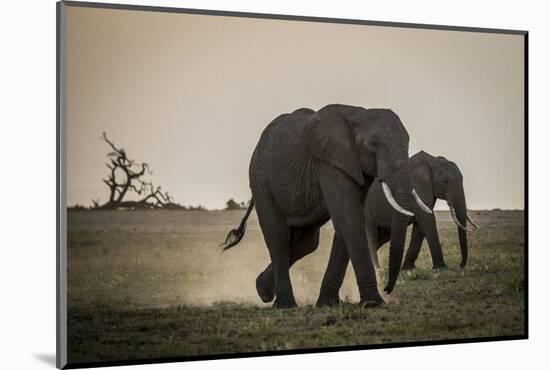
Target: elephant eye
367 144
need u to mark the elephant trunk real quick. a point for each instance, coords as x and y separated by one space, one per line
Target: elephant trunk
399 187
398 230
462 215
397 247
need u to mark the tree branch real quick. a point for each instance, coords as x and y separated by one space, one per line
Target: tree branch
134 183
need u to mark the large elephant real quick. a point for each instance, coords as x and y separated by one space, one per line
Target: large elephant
433 178
309 167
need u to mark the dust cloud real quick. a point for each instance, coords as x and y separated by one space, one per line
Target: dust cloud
163 258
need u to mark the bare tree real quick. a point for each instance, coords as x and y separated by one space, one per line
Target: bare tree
126 176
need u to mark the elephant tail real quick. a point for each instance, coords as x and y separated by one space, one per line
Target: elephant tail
235 235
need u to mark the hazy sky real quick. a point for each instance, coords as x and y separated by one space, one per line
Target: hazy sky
191 94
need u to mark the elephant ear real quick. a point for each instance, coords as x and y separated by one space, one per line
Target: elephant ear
329 138
423 182
422 175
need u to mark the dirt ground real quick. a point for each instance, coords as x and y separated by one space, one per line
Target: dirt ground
152 284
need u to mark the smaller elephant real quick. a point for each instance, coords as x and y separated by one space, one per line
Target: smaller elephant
433 178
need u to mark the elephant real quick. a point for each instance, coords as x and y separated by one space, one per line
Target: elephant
311 167
433 178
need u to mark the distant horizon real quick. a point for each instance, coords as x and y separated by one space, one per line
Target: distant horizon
436 209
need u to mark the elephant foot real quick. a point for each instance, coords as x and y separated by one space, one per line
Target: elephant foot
264 287
372 303
408 266
285 301
328 301
374 300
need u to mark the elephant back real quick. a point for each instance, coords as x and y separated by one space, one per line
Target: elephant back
281 163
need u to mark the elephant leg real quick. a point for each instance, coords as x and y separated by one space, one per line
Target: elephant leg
334 274
417 237
277 238
303 241
436 251
430 230
344 203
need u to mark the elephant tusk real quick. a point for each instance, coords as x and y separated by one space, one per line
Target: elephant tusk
453 215
422 205
472 221
393 202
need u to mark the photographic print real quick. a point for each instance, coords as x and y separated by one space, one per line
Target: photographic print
240 185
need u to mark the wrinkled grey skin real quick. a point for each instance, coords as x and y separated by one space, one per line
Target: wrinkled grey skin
433 178
309 167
